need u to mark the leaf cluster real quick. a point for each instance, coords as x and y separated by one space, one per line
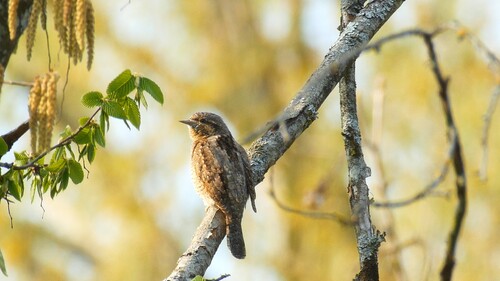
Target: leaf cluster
52 173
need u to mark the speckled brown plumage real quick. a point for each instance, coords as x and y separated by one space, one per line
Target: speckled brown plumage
222 173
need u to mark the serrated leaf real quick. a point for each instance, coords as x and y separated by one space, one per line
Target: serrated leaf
2 264
15 189
91 153
133 114
70 150
34 186
104 122
46 184
56 166
92 99
53 192
83 121
75 171
83 137
82 152
66 133
59 153
152 88
142 99
122 85
3 147
99 136
64 180
114 109
21 156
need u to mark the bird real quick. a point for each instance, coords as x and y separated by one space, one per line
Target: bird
222 174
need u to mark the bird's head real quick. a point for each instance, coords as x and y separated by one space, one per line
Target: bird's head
206 124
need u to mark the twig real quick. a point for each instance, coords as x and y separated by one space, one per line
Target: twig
18 83
483 170
223 276
427 190
11 137
458 164
315 215
63 142
494 65
377 45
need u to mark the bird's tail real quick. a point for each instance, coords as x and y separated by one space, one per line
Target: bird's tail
235 241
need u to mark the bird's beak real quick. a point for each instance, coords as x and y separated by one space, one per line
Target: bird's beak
190 123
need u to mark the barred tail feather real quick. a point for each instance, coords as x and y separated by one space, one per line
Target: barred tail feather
235 241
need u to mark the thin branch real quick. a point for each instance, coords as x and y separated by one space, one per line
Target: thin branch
315 215
11 137
483 171
223 276
458 164
377 45
494 65
428 190
63 142
367 237
18 83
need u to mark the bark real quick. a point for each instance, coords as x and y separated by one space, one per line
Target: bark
7 46
368 239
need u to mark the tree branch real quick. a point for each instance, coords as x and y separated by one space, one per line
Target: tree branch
7 47
11 137
368 239
295 118
458 164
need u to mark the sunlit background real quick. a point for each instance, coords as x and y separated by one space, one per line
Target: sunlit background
135 213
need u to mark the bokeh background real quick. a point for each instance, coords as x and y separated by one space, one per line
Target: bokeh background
136 212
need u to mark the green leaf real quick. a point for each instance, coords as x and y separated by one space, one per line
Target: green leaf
47 181
91 153
15 189
99 136
2 264
59 153
64 180
114 109
66 133
122 85
22 158
133 114
92 99
198 278
83 121
83 137
70 150
56 166
75 171
141 99
3 147
104 122
36 184
152 88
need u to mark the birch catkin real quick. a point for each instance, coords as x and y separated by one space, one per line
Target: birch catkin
12 18
42 110
36 9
